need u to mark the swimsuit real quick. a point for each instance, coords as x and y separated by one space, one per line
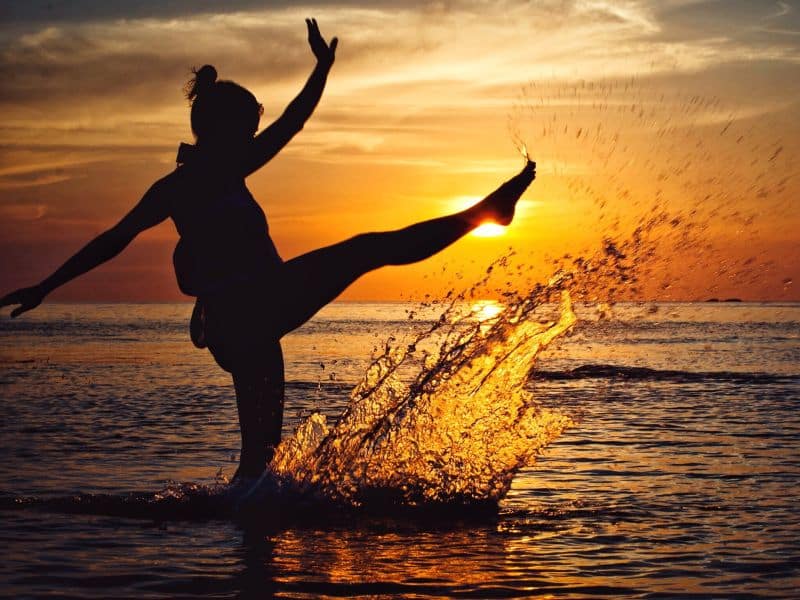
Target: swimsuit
225 258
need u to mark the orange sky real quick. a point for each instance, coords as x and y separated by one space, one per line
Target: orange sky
416 121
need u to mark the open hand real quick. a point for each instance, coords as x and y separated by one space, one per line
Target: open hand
325 53
27 298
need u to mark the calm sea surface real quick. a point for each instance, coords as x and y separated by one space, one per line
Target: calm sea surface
680 480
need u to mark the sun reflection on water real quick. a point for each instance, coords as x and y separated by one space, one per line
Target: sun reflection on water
483 310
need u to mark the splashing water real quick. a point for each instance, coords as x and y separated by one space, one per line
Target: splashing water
466 423
710 187
458 432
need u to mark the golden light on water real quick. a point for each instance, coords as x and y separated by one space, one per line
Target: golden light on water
377 442
486 309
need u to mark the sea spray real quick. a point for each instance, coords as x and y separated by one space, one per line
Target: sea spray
700 173
466 423
457 433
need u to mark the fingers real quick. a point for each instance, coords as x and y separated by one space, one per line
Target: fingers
24 307
9 299
318 43
313 28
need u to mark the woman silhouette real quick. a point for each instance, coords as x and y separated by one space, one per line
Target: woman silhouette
247 297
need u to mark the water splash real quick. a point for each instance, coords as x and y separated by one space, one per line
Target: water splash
713 184
446 418
457 433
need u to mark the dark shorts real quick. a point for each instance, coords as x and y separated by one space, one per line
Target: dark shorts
237 326
243 323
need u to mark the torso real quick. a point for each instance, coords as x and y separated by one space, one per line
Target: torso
224 233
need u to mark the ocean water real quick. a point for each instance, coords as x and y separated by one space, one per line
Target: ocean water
678 478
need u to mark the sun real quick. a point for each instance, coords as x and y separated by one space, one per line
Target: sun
489 230
486 229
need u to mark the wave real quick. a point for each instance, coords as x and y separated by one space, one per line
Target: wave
177 501
607 371
271 500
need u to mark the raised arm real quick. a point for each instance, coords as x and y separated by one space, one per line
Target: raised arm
150 211
272 139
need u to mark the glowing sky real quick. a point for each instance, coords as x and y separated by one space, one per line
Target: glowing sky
414 120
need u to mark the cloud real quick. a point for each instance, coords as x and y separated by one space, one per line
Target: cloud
11 182
27 12
742 22
781 10
22 212
634 14
108 76
87 70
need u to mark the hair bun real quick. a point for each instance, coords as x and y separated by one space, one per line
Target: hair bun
203 79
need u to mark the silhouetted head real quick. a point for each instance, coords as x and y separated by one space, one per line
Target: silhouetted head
224 114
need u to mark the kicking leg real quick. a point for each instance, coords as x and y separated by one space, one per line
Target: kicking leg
312 280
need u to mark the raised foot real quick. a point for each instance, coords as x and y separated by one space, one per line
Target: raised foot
498 207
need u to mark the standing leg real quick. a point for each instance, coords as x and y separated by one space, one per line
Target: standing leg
259 399
312 280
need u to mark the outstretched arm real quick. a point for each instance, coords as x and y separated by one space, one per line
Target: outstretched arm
270 141
150 211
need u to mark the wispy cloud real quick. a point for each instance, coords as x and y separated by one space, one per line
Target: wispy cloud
111 80
22 212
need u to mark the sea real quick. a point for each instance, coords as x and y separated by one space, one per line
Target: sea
674 473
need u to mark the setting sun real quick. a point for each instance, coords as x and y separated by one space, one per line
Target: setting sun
485 230
489 230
